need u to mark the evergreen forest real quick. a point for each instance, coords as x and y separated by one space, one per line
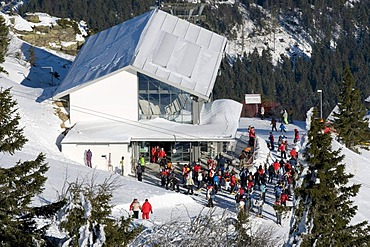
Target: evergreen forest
338 32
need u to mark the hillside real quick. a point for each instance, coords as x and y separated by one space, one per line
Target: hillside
32 85
284 50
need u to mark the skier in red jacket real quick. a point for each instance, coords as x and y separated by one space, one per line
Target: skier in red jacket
296 135
293 153
282 149
146 208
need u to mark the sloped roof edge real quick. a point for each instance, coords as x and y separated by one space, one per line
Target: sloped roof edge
105 53
78 87
157 44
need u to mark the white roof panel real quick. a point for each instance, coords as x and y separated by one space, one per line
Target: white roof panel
189 60
188 83
157 44
165 50
216 42
181 28
175 78
157 22
151 68
169 23
192 34
163 73
204 38
180 49
203 71
154 35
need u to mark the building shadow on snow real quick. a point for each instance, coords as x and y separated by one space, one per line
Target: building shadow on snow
46 72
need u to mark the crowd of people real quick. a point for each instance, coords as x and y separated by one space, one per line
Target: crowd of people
245 183
195 176
249 187
281 174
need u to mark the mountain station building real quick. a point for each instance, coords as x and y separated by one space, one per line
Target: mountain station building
147 83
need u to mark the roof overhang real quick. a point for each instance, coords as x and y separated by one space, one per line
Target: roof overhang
158 130
219 122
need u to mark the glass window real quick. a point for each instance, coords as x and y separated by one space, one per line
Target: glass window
153 86
143 86
158 99
182 152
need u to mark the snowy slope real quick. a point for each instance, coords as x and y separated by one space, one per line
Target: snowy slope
288 40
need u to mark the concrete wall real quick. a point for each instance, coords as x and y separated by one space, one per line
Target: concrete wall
100 155
115 96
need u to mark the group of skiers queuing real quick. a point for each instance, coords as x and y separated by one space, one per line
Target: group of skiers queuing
145 209
252 187
158 155
282 174
249 187
247 184
218 173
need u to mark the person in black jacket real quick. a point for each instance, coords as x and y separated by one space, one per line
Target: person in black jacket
174 182
139 172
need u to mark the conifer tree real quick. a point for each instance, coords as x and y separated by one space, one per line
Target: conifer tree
349 122
11 136
86 217
243 229
326 196
4 41
18 184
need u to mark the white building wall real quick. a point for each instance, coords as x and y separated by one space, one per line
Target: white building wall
100 156
115 97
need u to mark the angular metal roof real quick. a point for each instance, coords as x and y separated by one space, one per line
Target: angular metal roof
156 44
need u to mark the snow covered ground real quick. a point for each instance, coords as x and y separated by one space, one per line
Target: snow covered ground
280 38
31 85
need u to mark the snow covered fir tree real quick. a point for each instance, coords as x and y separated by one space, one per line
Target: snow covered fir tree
4 41
349 121
325 206
86 217
18 184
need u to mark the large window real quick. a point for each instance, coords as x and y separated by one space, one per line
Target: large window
158 99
